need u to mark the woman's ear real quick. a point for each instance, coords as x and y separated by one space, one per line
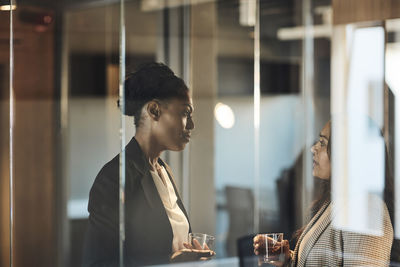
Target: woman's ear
154 110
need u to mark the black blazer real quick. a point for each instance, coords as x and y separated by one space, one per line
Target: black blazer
148 232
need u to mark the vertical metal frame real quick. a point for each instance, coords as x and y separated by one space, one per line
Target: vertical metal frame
64 228
11 130
256 101
122 56
307 88
186 64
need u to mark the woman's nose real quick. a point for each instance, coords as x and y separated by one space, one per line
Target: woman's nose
313 149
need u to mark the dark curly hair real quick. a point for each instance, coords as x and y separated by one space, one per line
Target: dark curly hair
151 81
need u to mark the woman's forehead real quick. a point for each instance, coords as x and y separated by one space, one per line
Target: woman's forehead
326 131
181 102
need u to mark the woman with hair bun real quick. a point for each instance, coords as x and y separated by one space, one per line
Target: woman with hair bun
156 223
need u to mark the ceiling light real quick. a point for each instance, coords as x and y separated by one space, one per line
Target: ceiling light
247 12
152 5
323 30
224 115
5 5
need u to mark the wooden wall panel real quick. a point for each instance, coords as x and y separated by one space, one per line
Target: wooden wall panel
350 11
394 9
34 228
34 180
34 57
4 187
34 184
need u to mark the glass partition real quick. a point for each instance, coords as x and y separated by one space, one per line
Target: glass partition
74 168
357 120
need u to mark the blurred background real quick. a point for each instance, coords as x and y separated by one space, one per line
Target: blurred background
265 77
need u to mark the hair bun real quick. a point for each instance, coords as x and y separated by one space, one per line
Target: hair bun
150 81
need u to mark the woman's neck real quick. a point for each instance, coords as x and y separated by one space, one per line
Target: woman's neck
149 147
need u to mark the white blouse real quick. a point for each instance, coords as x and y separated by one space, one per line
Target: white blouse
178 220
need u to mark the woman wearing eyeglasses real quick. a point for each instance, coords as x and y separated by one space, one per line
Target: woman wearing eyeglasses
319 243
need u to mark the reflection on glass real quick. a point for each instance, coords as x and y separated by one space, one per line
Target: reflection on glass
392 65
359 170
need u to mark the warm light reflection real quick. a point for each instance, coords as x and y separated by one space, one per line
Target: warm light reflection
224 115
8 7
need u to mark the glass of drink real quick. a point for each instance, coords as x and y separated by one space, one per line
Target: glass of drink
273 248
201 241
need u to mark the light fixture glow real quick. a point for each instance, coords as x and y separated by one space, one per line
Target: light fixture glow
8 7
224 115
247 13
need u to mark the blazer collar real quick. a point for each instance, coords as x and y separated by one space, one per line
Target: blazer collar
315 235
136 160
135 156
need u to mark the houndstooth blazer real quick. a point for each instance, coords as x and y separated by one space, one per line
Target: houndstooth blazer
334 247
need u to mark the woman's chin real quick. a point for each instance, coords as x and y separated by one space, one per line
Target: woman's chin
177 148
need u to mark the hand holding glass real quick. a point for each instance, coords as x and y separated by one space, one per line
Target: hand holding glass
199 247
201 241
270 248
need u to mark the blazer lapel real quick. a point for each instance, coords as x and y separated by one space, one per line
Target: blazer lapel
314 237
136 160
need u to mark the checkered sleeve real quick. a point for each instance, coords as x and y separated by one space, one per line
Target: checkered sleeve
368 250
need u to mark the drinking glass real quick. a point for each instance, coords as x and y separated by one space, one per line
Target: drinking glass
205 241
273 248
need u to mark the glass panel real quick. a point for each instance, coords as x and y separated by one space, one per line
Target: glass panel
203 85
234 124
295 97
65 121
362 184
99 49
356 125
258 73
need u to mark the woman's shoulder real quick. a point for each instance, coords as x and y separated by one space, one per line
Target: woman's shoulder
110 169
109 173
371 218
